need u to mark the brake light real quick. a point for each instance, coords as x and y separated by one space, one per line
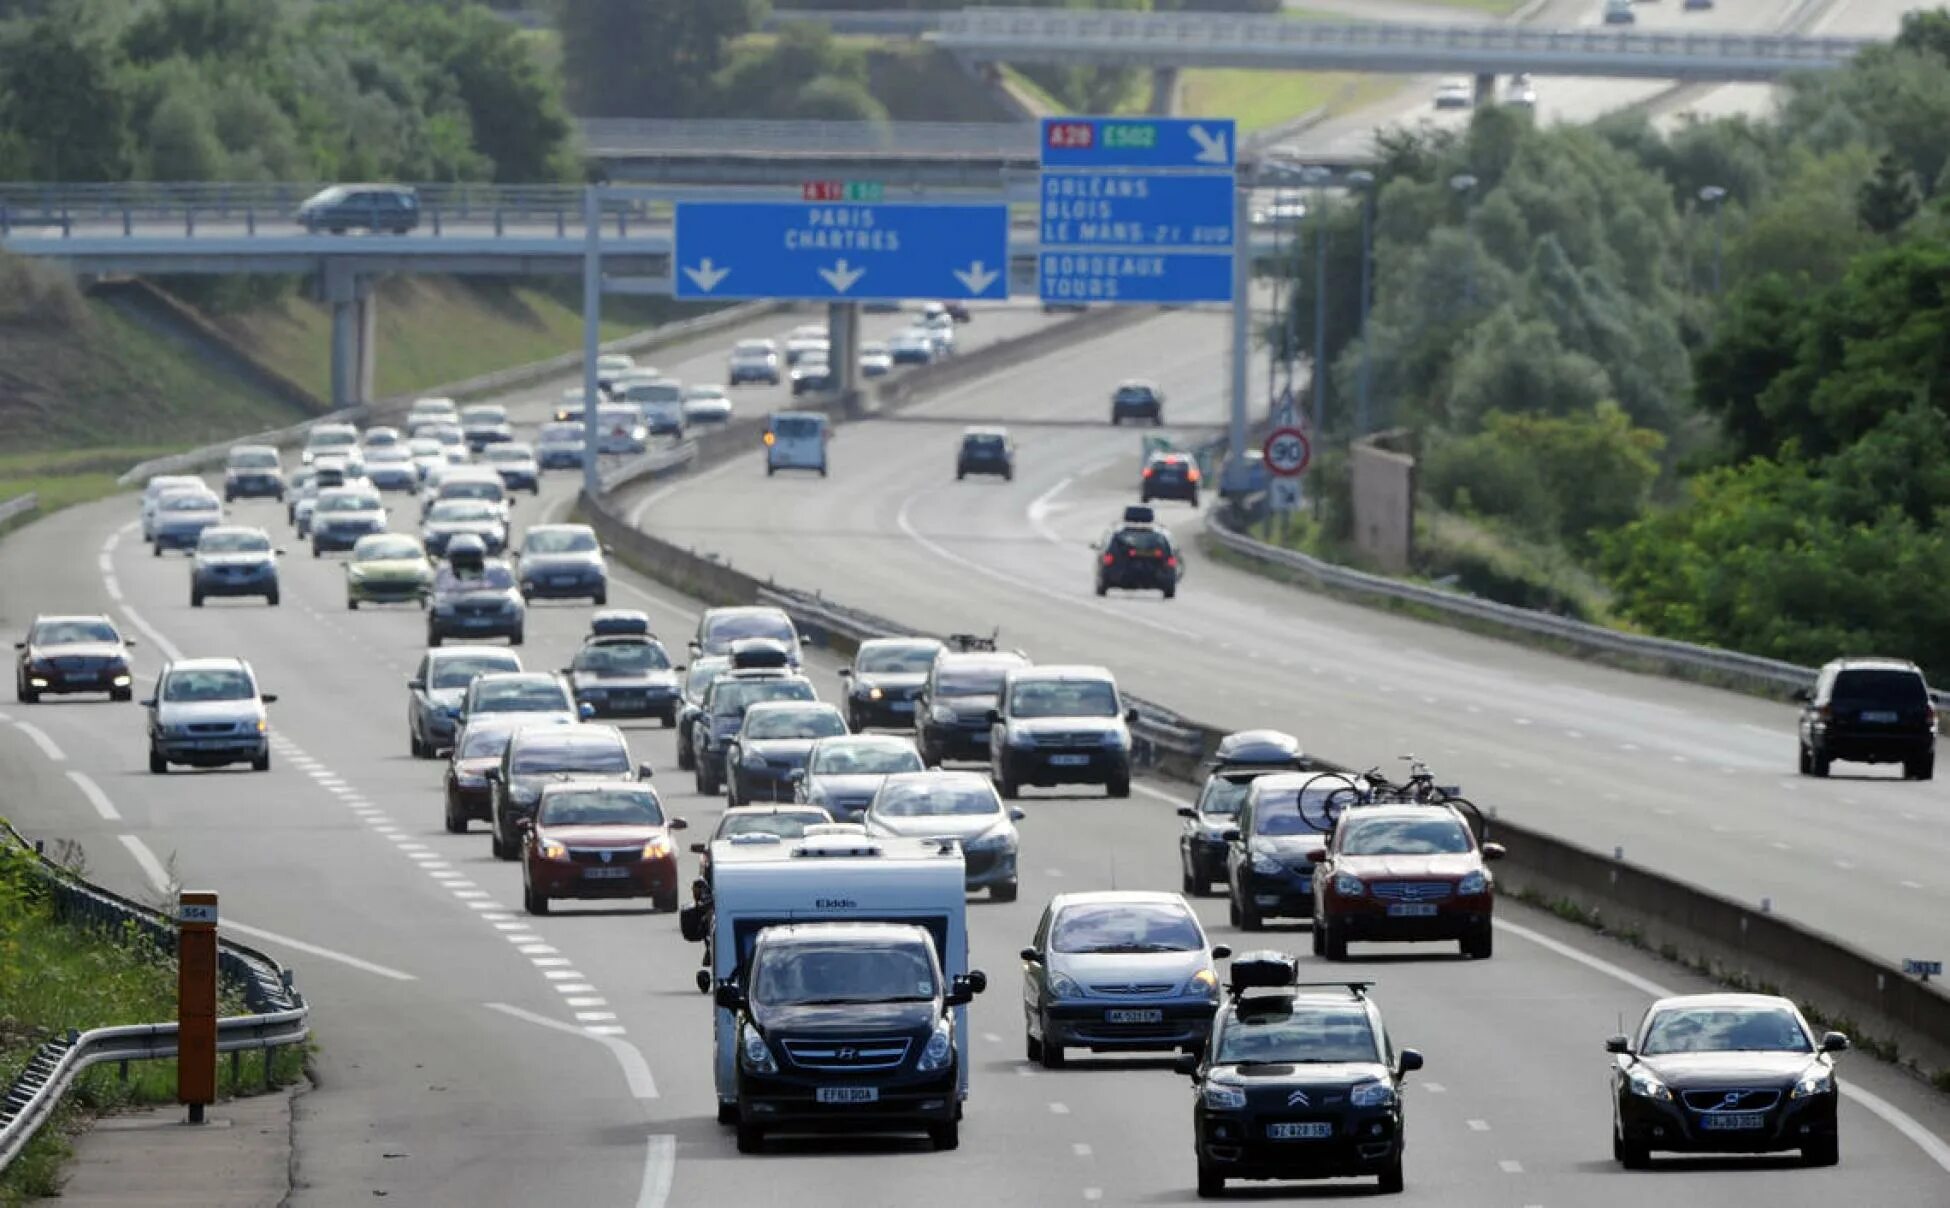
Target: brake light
1148 471
1108 559
1194 473
1172 561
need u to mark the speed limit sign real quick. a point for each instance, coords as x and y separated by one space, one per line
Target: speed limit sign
1287 451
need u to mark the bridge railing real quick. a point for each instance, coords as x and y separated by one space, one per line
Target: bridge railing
1003 140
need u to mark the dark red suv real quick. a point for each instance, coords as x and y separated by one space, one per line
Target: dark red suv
1403 872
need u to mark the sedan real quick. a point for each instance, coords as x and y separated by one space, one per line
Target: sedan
953 805
539 756
876 360
811 372
885 679
476 604
388 568
234 561
208 713
450 518
485 424
181 518
391 468
536 696
706 405
426 453
753 361
561 445
380 209
342 516
476 751
1118 971
599 841
515 462
563 561
437 688
1724 1073
625 677
842 774
72 654
774 742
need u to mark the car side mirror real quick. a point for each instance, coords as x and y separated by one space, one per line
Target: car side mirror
1803 695
1131 716
796 775
585 710
1186 811
1186 1064
994 716
607 550
1017 814
1030 956
1494 851
20 645
269 698
148 702
1619 1044
492 775
644 771
694 649
699 849
1409 1061
565 670
677 824
417 684
1220 952
728 995
1230 834
524 825
1317 856
125 642
1834 1042
845 673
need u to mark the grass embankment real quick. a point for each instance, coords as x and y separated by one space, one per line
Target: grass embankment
54 977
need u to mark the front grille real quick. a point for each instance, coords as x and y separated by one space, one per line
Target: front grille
1147 989
978 863
76 663
604 855
866 1053
1731 1099
212 727
1060 738
1411 891
478 610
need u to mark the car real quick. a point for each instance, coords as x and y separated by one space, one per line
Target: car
475 596
1118 971
912 346
599 841
718 628
560 445
1724 1073
477 749
1239 759
940 327
954 309
468 482
888 973
562 562
661 401
1404 872
379 436
951 716
785 821
515 462
453 441
812 373
1297 1082
1060 725
619 430
1169 475
1137 554
64 654
379 209
391 468
722 715
807 337
485 424
295 485
1271 846
1693 6
772 744
306 498
706 405
232 560
876 359
432 410
1869 710
1137 400
842 773
207 713
625 676
1455 93
986 450
753 361
1619 12
342 516
796 440
697 681
180 519
451 519
540 697
156 489
1521 92
253 471
541 755
329 440
962 806
574 407
885 679
610 366
437 688
388 568
620 623
424 453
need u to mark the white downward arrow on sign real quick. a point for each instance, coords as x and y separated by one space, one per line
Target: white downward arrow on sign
841 277
976 277
1211 147
706 275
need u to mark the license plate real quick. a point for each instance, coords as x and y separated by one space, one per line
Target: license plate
901 706
83 678
847 1094
1069 761
563 581
476 622
1879 715
1134 1015
1299 1132
1732 1121
605 874
1411 910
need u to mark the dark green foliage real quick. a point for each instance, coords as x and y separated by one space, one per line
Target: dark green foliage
806 74
628 58
1551 477
1888 199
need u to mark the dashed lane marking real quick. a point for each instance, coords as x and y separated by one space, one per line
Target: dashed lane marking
96 797
1510 1166
636 1071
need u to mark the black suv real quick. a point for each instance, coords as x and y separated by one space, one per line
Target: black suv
1239 759
986 451
1138 555
951 716
1299 1081
1869 711
847 1026
1137 400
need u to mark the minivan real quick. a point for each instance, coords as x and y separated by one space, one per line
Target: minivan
796 440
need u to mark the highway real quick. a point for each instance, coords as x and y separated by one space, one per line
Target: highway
474 1055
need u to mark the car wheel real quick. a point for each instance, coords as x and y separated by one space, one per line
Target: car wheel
1032 1047
261 763
157 763
684 761
1103 588
1333 944
1120 787
1171 592
1004 893
317 550
532 902
600 599
665 903
1319 937
1194 499
351 604
515 639
1825 1152
1007 786
433 637
1186 884
1819 763
1390 1182
1053 1056
945 1136
1232 909
1158 420
455 820
733 793
960 474
121 694
1250 919
751 1138
1920 769
271 600
196 599
1211 1185
1116 421
1480 943
1634 1155
155 551
506 849
770 469
668 719
1804 762
727 1113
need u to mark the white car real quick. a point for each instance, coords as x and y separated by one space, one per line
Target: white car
380 437
392 468
325 440
1455 94
426 453
940 328
915 346
662 403
431 411
157 487
706 405
610 364
641 375
753 361
803 339
876 360
1521 93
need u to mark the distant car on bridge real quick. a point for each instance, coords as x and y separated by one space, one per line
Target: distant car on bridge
392 209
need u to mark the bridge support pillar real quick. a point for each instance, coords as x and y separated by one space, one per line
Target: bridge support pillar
843 340
1485 89
355 342
1164 92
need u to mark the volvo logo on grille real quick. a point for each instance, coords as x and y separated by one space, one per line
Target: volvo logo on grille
1298 1099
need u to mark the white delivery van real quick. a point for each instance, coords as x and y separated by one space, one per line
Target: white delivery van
796 440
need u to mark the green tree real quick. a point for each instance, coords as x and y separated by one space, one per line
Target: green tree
65 97
1517 365
626 58
1755 339
1927 31
1888 198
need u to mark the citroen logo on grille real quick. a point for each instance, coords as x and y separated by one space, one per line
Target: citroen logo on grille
1298 1099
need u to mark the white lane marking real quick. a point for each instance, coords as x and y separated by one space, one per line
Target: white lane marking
315 950
146 860
40 737
683 480
573 987
558 974
636 1071
1039 508
1093 1194
1059 1109
596 1016
152 633
1478 1125
96 797
1080 1149
659 1171
1434 1088
585 1001
600 1030
1911 885
469 892
991 1038
1510 1166
113 586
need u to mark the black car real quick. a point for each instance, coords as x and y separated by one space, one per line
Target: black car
72 654
690 704
1239 759
847 1026
951 716
722 715
543 755
885 680
1724 1073
391 209
625 676
1269 863
234 561
1137 400
986 451
1299 1081
1138 555
474 597
1869 711
1170 476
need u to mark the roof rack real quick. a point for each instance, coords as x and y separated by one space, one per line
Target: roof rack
1358 989
966 643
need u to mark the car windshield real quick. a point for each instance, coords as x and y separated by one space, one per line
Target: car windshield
602 807
253 459
723 630
332 439
804 974
553 754
1063 698
559 541
386 549
1223 796
622 656
1285 812
1305 1036
1902 689
1723 1029
753 348
494 576
1126 927
190 503
731 700
425 446
213 684
218 542
785 826
381 438
484 415
347 503
796 427
970 681
485 742
1134 394
64 633
510 453
931 799
982 444
1404 837
388 455
458 671
843 759
463 509
794 723
561 434
472 490
655 392
911 659
521 696
447 434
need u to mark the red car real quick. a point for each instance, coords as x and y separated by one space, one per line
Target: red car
598 840
477 748
1403 872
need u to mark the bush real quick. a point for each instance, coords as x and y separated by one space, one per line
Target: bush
1550 476
39 295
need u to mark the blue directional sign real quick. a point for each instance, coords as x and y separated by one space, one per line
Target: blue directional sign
1139 142
833 251
1105 275
1126 209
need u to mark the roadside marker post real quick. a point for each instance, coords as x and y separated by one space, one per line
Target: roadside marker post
196 1001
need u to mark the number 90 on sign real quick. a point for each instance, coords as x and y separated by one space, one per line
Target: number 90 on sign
1287 452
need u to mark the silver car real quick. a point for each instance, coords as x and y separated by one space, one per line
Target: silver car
181 517
1118 971
953 805
207 713
342 515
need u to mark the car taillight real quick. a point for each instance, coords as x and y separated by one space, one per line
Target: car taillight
1108 559
1193 473
1148 471
1172 561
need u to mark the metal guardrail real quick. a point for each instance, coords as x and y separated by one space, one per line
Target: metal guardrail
279 1014
275 204
20 505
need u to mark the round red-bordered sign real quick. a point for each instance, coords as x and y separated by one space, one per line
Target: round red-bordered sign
1287 451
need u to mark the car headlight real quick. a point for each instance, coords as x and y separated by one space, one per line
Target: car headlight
991 841
752 759
1267 866
943 715
940 1050
1204 983
1819 1081
1473 883
262 725
122 681
552 850
1348 886
1021 738
524 798
875 693
1112 738
1224 1098
1062 985
1645 1085
755 1053
657 848
1371 1094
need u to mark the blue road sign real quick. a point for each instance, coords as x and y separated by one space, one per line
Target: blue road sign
1105 275
832 251
1139 142
1131 209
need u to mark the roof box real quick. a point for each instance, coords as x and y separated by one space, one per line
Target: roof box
750 653
1254 970
1140 515
1269 748
616 622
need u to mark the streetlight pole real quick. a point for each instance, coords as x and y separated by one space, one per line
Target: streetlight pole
1317 384
1464 186
1715 196
1364 182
